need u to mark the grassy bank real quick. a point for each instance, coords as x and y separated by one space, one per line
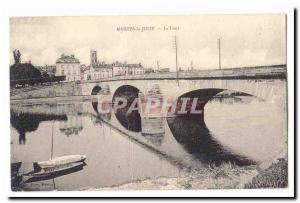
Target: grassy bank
276 176
225 176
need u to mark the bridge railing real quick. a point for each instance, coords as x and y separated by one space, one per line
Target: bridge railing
276 71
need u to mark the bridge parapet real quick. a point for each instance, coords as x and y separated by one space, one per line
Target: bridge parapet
259 72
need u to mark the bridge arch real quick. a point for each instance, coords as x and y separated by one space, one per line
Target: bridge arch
200 97
129 120
96 90
197 137
268 90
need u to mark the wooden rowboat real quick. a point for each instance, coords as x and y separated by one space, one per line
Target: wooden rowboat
61 161
50 171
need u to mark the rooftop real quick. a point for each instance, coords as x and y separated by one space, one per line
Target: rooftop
103 65
67 59
125 64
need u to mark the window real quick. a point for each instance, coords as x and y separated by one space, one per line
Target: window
62 72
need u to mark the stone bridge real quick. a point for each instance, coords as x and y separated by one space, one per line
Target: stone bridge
267 83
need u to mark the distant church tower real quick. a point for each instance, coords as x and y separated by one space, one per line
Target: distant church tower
94 58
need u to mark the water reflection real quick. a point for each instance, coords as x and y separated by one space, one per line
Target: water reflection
192 133
28 122
112 158
72 126
153 129
107 108
229 136
189 130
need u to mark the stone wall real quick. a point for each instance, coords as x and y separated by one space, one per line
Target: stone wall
57 90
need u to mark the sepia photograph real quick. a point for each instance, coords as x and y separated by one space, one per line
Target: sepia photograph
148 102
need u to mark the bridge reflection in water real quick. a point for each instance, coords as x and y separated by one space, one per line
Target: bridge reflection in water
193 134
188 130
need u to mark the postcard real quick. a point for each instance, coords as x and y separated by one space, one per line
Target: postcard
178 102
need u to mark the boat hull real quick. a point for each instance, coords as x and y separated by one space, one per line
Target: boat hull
57 169
65 160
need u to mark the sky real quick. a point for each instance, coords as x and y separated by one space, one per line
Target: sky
246 40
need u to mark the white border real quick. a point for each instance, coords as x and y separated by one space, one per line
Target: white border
139 7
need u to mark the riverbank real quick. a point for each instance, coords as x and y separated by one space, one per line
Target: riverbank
275 176
226 176
42 100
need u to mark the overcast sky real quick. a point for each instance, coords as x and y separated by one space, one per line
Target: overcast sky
246 40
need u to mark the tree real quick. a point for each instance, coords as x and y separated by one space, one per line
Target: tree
45 74
17 56
24 71
20 70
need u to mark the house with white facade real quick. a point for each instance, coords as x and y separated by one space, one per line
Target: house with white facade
68 66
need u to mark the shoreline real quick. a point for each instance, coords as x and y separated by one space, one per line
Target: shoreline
77 98
226 176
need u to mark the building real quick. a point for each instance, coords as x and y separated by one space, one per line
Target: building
87 73
164 70
148 70
68 66
47 70
121 69
98 70
83 71
101 70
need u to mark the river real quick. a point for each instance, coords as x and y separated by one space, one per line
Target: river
242 130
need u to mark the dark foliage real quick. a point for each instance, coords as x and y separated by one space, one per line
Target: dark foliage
26 122
20 71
